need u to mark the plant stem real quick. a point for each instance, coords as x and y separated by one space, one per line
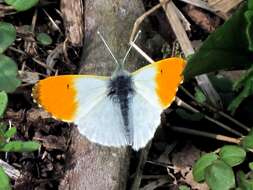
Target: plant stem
183 104
206 134
215 110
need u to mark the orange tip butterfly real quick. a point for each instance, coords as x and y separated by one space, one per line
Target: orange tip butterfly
121 110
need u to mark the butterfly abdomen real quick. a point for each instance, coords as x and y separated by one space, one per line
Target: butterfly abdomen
121 91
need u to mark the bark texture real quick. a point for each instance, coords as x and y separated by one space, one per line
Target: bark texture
92 166
114 19
73 17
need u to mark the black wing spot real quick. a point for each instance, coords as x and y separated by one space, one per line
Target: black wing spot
67 86
161 71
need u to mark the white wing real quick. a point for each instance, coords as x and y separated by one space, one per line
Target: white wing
103 124
144 82
145 120
99 118
145 108
90 90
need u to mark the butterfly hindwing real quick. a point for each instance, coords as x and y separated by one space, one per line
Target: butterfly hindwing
104 124
145 119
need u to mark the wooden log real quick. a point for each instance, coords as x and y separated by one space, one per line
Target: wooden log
92 166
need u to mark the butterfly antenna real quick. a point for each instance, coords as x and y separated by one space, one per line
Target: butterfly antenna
102 38
129 49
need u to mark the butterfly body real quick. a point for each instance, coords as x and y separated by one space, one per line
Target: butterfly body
113 111
121 91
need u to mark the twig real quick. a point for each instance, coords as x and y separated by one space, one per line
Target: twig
34 20
183 104
52 57
10 170
206 134
52 21
178 28
200 4
156 184
185 22
43 64
17 50
142 17
202 80
157 163
140 51
215 110
35 60
223 5
138 174
234 120
153 176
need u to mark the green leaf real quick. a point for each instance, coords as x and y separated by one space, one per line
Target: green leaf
3 128
246 83
8 74
243 182
219 176
250 4
2 131
183 187
7 35
233 155
20 146
3 102
249 17
226 48
22 5
247 142
4 180
44 39
189 116
10 132
251 131
199 95
221 83
200 166
251 166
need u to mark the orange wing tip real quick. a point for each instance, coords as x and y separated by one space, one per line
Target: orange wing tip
168 79
43 92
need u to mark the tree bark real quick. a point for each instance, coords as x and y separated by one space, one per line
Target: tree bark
73 17
93 166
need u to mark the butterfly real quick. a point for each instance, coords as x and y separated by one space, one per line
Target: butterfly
117 111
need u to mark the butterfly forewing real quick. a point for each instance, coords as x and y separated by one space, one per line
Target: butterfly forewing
68 97
159 81
156 86
84 100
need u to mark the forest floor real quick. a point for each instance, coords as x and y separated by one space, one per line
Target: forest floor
172 154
